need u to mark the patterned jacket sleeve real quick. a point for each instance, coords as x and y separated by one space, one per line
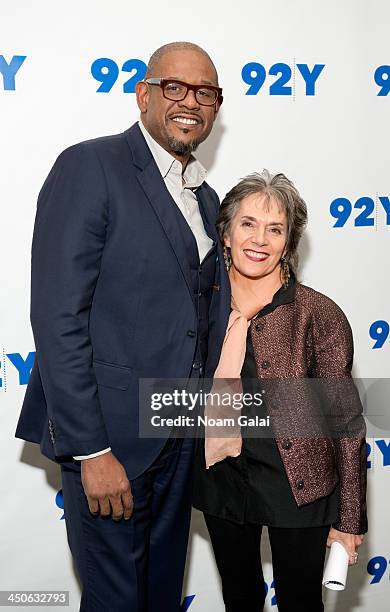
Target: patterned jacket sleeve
333 357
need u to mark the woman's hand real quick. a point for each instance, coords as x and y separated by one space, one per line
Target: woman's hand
218 449
222 441
350 541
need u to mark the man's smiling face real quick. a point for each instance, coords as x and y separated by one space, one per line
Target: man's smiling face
179 127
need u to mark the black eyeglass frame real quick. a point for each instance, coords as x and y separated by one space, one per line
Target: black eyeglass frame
161 82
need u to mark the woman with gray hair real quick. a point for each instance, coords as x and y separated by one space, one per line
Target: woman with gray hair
309 489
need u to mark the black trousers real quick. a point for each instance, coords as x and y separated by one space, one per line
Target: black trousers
298 557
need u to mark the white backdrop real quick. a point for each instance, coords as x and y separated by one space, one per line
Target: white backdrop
332 144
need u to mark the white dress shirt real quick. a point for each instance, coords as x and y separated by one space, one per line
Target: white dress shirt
182 187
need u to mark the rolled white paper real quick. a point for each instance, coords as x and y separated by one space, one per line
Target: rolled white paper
336 569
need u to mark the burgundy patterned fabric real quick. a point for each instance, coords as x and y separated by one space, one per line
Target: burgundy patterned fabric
310 338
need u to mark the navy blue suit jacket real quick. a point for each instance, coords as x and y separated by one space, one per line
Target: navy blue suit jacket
111 300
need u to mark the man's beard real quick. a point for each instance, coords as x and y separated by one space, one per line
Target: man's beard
182 148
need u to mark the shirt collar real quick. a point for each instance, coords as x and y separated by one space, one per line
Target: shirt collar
284 295
194 174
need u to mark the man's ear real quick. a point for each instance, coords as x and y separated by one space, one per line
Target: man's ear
142 95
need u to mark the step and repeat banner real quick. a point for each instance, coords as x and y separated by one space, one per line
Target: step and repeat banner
306 92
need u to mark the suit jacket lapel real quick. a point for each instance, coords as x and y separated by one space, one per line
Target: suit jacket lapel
207 210
218 313
159 197
220 303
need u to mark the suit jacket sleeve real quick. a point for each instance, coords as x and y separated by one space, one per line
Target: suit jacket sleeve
333 347
68 241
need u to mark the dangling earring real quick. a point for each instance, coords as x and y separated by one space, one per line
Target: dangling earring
285 272
227 258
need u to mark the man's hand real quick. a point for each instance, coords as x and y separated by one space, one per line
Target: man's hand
107 487
350 542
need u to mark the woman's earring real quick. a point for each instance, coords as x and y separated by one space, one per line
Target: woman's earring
285 272
227 258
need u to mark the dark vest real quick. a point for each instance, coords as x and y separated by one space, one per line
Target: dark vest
202 281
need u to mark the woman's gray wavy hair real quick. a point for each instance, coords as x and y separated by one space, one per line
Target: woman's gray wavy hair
281 189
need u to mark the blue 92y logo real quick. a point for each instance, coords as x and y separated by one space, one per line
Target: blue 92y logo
255 75
60 502
22 365
379 331
106 72
384 448
9 69
382 79
187 601
377 567
341 210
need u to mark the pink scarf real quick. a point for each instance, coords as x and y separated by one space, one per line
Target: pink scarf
229 367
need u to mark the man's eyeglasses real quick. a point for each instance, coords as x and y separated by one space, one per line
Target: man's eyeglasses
206 95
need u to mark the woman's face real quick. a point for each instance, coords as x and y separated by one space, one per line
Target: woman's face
258 236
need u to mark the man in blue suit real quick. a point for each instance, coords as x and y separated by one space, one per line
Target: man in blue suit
128 282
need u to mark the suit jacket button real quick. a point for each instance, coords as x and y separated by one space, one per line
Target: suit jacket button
265 365
287 445
259 326
300 484
191 333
